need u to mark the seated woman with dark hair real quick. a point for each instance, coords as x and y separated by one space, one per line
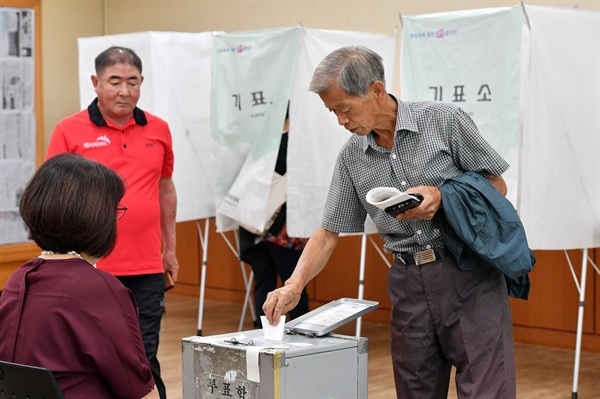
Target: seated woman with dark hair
58 311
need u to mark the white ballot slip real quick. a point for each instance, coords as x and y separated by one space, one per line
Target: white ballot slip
273 333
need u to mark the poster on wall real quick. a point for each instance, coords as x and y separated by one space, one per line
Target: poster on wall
471 59
17 118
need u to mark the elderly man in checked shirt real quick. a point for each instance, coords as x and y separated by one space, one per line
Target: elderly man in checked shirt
442 316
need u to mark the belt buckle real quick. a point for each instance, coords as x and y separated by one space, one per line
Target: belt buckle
424 257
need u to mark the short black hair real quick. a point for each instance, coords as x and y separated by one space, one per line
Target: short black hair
117 55
70 204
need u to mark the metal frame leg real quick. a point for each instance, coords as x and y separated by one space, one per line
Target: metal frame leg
581 288
204 245
361 279
361 274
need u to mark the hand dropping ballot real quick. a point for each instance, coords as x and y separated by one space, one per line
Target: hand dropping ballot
392 200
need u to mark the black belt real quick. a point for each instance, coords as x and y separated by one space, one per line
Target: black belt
423 257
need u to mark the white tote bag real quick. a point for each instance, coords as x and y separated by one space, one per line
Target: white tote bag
277 197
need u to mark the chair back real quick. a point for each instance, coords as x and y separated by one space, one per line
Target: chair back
20 381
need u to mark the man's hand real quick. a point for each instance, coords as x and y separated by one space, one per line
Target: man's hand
171 264
499 183
432 201
168 210
279 302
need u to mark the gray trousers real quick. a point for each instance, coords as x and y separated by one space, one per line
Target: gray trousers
442 317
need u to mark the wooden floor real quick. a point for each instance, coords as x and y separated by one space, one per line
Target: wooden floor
541 372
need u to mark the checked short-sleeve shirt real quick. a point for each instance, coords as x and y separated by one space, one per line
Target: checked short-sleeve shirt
434 142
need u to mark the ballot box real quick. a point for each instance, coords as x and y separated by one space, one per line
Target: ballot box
245 365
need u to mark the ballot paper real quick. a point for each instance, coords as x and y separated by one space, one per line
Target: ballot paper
385 197
273 333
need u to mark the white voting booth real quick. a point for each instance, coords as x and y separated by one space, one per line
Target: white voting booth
529 76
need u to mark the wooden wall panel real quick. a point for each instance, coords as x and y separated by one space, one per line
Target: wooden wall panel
596 304
554 297
13 256
340 277
550 316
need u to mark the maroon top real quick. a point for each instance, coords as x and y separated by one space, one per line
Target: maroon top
79 322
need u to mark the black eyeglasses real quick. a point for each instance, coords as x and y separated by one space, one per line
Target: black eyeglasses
121 211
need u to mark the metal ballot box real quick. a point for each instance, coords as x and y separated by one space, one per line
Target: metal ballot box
244 365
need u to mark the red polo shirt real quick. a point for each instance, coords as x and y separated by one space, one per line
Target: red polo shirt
141 152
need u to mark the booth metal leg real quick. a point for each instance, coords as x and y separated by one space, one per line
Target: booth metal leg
579 321
361 279
361 276
204 245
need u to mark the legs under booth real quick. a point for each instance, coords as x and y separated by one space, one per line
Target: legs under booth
247 366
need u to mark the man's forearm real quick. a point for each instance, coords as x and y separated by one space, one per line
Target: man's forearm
314 258
168 213
318 250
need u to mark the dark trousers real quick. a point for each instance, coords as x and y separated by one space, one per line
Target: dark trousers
268 261
149 292
442 317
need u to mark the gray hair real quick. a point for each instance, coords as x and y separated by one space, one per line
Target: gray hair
352 68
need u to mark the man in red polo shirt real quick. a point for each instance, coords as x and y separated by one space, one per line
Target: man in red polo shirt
138 146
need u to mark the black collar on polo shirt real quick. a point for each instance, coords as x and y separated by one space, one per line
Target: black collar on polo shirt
95 116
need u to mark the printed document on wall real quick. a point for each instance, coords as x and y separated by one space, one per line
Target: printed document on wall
17 118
